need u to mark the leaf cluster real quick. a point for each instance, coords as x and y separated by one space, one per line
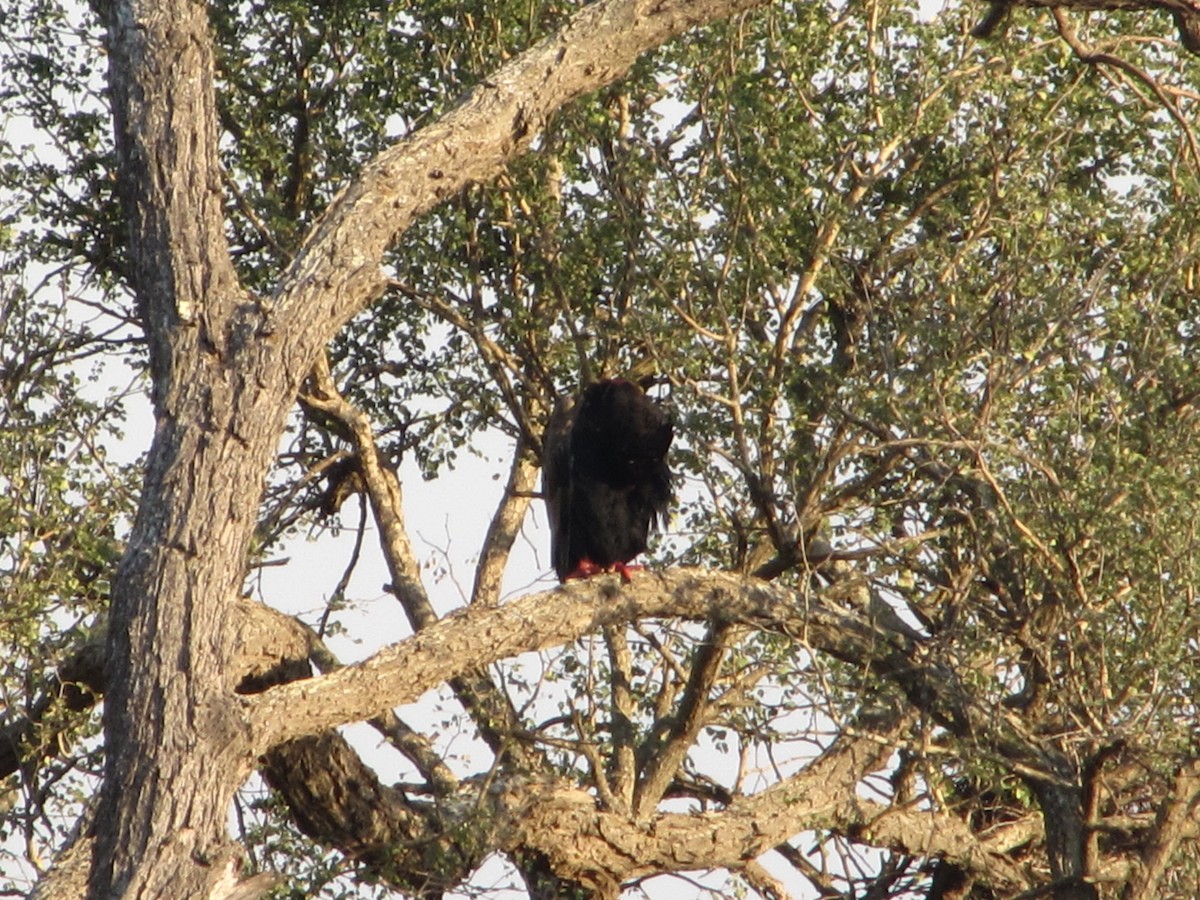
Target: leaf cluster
917 303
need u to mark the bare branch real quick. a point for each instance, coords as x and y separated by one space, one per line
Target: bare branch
383 490
623 773
493 713
663 756
477 637
1097 57
504 527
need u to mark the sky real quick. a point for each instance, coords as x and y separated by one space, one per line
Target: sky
447 519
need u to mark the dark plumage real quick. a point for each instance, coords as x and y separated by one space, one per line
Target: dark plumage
605 478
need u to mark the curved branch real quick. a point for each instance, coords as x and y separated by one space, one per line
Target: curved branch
603 849
491 710
1170 827
480 636
338 267
1095 57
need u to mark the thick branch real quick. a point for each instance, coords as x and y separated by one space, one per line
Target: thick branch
338 800
1170 827
338 267
341 803
475 637
490 709
165 124
602 849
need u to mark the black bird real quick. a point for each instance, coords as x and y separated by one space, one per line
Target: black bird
605 478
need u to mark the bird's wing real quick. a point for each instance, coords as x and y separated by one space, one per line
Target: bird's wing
556 478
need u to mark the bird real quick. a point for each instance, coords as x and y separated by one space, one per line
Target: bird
605 478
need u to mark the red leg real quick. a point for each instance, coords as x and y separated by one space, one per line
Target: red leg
625 570
585 569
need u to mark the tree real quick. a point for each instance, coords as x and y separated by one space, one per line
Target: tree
926 310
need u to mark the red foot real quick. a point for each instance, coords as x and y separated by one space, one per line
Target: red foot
625 570
586 569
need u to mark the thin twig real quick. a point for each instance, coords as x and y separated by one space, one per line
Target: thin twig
1092 56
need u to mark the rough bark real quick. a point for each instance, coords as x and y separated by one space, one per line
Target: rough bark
268 648
166 713
430 845
405 671
225 371
473 637
338 800
1172 824
337 270
1062 809
600 849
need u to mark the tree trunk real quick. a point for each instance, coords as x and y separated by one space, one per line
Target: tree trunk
225 370
1066 836
175 753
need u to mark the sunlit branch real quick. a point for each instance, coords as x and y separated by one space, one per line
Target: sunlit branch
493 712
663 754
504 527
623 773
1092 56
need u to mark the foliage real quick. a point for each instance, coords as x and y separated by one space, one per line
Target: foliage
63 507
922 300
